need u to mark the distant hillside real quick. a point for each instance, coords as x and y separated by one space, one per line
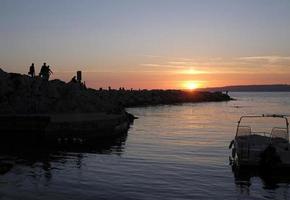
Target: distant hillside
252 88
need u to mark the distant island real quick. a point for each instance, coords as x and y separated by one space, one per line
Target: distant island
251 88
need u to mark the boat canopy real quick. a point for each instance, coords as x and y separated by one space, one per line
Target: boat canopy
272 126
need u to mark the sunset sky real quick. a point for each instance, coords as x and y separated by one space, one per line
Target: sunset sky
149 43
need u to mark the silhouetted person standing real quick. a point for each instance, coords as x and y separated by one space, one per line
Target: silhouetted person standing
48 72
45 72
32 70
42 70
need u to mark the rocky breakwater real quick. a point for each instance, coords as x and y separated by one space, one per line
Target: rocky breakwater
35 109
137 98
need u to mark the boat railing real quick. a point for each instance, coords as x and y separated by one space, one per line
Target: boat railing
249 131
276 135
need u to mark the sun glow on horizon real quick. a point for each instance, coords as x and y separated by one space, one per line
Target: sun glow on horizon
191 85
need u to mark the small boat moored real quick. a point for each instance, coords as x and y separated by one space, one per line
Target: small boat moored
261 141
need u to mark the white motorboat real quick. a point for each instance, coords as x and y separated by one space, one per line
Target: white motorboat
261 141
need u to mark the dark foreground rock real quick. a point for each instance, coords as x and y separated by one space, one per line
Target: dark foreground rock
21 94
55 109
33 106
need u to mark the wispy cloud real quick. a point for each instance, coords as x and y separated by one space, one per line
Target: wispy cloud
271 59
271 62
218 65
162 66
151 65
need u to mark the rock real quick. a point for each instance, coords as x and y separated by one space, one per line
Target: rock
21 94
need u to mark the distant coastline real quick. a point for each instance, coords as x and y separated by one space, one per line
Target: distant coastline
251 88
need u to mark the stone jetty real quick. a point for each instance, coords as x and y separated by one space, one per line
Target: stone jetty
36 108
137 98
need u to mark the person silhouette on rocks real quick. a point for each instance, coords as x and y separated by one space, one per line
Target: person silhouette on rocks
32 70
45 72
48 72
41 73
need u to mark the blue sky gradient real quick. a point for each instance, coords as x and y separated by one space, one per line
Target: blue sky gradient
112 40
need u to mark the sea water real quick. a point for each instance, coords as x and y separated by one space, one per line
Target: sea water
170 152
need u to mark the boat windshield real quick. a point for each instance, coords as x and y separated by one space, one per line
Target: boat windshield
273 127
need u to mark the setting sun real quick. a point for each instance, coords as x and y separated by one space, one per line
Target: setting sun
191 85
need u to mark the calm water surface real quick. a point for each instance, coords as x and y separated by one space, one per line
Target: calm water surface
171 152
